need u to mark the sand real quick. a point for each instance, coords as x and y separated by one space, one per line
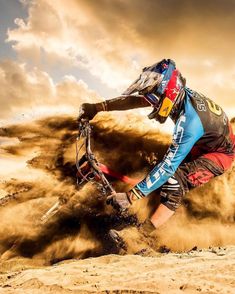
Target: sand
205 271
44 170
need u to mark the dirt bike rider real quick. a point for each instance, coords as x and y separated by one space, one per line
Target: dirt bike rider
203 143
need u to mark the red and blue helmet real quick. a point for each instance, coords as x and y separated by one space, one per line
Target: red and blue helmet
161 84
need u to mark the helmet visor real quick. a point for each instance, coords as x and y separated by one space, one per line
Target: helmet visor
146 82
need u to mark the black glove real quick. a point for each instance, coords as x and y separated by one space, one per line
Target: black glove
87 110
119 201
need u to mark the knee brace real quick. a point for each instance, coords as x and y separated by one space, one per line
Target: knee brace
172 193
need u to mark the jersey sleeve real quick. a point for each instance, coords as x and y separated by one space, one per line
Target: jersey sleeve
188 130
126 102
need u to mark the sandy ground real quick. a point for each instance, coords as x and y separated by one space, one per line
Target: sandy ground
38 167
205 271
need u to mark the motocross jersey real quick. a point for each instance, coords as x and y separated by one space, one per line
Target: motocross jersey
201 124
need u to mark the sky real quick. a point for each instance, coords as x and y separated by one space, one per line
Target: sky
54 55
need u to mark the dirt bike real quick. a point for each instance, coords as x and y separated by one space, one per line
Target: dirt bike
89 169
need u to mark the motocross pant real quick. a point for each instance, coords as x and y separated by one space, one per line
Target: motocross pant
191 174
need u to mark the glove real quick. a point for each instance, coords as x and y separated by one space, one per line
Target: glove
87 110
119 201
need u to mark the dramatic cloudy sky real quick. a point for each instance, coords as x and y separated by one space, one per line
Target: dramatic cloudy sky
56 54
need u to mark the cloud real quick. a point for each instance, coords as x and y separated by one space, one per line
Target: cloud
114 39
33 92
69 32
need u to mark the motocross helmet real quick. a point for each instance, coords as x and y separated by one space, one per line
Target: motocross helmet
161 85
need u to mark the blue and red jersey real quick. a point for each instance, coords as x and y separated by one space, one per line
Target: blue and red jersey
202 129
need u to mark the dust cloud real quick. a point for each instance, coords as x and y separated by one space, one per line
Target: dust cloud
81 228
